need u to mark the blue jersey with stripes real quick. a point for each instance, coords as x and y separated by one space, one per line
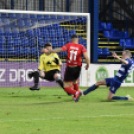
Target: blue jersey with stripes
124 71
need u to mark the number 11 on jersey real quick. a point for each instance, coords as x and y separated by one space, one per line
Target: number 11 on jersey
73 55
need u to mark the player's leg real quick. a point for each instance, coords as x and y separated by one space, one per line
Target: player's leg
93 87
58 79
75 84
112 91
36 75
71 74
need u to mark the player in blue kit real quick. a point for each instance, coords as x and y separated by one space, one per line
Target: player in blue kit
115 82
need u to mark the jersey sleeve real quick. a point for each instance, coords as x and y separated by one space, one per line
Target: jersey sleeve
41 64
129 61
83 49
65 47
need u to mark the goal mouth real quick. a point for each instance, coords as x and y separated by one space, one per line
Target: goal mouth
24 33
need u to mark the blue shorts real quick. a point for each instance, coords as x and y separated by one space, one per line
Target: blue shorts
112 84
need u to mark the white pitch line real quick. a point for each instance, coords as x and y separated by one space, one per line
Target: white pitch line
58 118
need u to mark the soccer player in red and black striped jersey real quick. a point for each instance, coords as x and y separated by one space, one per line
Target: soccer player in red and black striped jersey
73 69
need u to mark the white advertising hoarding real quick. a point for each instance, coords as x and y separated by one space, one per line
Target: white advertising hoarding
98 72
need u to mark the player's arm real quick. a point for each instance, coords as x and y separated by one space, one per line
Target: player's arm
87 59
117 57
52 51
41 64
57 59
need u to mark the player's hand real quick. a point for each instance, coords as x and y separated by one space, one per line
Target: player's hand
114 55
56 61
45 51
86 67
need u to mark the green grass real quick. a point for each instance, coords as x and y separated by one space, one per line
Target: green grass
51 111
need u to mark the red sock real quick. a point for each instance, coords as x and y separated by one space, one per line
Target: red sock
76 86
70 90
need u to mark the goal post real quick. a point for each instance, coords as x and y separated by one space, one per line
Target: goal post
23 35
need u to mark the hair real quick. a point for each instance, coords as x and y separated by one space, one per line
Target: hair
128 53
74 36
48 44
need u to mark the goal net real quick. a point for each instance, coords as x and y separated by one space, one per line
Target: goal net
23 35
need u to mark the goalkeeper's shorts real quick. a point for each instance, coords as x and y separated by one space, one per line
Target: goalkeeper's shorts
72 73
50 74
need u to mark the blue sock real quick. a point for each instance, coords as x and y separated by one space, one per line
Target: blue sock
90 89
119 98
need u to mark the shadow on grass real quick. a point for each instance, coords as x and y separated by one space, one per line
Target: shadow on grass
45 103
130 103
107 101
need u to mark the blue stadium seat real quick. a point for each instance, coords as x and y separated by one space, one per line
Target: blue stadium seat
60 17
53 39
8 37
40 16
28 23
106 34
6 22
34 22
15 32
19 16
67 40
100 53
1 23
62 53
41 22
66 17
46 17
30 33
2 50
2 40
111 35
106 51
44 33
59 33
81 41
24 41
46 40
34 51
12 15
27 50
128 43
19 50
36 32
126 35
52 33
71 32
66 34
54 44
60 44
17 41
22 32
109 26
2 31
11 50
102 26
32 42
41 42
53 17
21 23
56 26
33 16
13 23
4 15
122 42
8 31
10 42
26 16
73 17
60 39
48 22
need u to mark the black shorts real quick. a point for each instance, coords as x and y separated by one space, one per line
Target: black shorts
72 73
50 74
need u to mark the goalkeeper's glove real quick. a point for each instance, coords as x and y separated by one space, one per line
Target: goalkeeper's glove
56 60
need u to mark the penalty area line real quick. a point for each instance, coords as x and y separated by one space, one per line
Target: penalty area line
60 118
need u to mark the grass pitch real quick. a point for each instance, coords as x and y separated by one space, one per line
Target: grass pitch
51 111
